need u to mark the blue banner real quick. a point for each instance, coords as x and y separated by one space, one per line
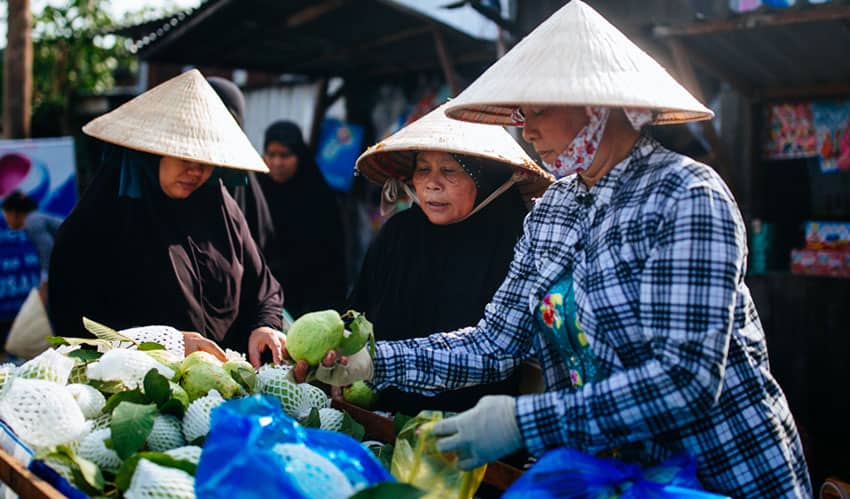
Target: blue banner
339 146
45 170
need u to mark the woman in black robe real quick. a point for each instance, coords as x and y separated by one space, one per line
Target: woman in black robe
307 255
157 239
429 271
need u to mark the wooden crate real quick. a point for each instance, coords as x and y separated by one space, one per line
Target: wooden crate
499 475
22 481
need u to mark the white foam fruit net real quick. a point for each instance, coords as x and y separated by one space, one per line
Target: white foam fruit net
273 381
93 448
7 374
151 480
90 400
126 366
166 336
330 419
42 413
315 396
314 475
191 453
167 433
100 422
196 421
49 365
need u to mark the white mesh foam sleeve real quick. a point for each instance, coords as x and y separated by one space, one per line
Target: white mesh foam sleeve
126 366
191 453
7 374
90 400
151 480
42 413
48 365
167 433
315 476
196 421
93 449
331 419
273 381
166 336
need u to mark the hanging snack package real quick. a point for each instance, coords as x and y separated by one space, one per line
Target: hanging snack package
417 461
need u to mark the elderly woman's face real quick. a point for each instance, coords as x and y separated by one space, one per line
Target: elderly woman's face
179 178
550 129
282 162
446 192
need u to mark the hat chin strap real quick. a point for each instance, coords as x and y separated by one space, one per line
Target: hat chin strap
390 195
516 177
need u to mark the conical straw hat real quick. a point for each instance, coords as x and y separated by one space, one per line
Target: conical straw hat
183 118
394 156
576 57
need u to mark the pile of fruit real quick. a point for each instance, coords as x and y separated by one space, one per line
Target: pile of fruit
124 415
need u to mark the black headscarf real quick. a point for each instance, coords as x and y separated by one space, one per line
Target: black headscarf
140 258
249 196
420 278
308 252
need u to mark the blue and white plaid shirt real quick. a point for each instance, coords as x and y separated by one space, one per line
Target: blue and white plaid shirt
657 249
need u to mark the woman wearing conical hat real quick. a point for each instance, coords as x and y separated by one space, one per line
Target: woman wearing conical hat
156 238
627 285
435 266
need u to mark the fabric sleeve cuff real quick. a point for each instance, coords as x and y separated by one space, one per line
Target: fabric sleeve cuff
539 422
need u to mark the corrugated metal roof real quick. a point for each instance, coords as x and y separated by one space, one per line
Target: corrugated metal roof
326 38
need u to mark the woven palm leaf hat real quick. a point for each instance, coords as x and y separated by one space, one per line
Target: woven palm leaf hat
576 57
183 118
394 156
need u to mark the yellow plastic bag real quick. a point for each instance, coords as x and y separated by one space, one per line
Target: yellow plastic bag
416 461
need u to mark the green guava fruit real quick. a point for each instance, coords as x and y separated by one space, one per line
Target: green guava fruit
313 334
203 377
177 392
359 394
357 333
196 358
243 373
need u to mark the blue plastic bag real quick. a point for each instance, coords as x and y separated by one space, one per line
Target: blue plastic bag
239 459
570 473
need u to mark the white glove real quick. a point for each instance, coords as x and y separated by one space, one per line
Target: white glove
358 368
482 434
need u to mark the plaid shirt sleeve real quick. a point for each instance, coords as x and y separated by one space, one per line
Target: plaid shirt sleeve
687 299
485 353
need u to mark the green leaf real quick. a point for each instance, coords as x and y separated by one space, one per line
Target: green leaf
390 490
157 388
57 341
399 421
384 453
146 346
131 426
106 345
312 420
136 396
173 407
125 474
86 473
108 386
352 427
85 354
105 333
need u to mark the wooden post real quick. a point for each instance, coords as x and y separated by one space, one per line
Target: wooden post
17 82
318 114
445 60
